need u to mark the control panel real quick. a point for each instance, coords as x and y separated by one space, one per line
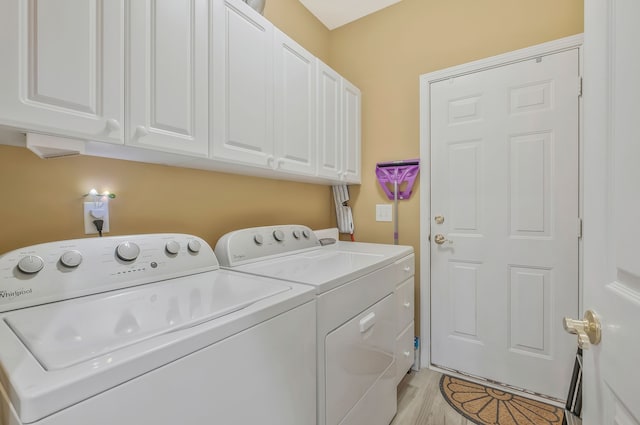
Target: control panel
255 243
57 271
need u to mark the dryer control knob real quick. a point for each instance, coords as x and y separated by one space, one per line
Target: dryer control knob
258 239
71 259
194 246
127 251
296 234
306 234
278 235
30 264
172 247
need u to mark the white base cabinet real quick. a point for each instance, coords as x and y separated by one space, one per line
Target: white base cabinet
62 67
405 308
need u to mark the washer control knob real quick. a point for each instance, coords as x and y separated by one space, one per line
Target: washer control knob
258 239
30 264
278 235
194 246
306 234
127 251
71 259
172 247
296 234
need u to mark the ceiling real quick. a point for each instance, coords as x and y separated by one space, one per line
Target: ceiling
335 13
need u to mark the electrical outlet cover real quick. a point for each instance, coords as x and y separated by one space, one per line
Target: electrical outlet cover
93 209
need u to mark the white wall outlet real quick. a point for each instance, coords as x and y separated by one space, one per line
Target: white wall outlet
384 212
92 211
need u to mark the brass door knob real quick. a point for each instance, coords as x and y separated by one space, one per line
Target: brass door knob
589 330
440 239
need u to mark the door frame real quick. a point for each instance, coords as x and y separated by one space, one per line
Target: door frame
555 46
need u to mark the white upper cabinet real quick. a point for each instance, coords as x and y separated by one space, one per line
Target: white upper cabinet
295 106
338 142
168 76
329 132
62 67
351 128
242 93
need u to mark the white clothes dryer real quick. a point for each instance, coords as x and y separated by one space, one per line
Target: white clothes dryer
149 330
354 285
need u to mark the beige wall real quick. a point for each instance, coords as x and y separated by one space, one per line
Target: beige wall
385 53
40 200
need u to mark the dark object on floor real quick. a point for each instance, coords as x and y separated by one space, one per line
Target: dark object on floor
489 406
574 399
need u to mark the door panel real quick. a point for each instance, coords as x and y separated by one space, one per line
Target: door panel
295 101
329 131
351 132
168 76
505 177
63 67
612 206
242 84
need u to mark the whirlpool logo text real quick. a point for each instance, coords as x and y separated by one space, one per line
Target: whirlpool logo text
14 294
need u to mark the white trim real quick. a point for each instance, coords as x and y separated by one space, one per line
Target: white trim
556 46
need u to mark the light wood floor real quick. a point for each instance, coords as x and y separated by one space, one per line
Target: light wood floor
421 403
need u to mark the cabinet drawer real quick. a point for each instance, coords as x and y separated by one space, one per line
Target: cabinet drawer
404 352
404 304
404 268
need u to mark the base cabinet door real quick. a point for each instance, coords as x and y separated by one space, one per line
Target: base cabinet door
242 78
62 67
295 106
168 76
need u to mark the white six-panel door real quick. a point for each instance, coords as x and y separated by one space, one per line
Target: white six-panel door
62 67
504 177
168 75
612 210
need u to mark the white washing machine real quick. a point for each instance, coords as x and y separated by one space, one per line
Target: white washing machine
149 330
354 285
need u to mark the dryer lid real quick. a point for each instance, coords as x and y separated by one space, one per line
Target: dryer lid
63 334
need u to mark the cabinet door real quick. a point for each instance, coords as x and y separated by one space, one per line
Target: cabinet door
351 126
295 100
168 76
242 94
329 142
62 67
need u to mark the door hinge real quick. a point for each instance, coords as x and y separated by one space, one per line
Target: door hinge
579 228
580 87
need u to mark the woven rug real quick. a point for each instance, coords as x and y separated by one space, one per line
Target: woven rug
488 406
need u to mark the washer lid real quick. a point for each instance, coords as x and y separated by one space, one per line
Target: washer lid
63 334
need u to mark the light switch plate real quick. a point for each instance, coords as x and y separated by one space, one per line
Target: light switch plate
384 212
101 208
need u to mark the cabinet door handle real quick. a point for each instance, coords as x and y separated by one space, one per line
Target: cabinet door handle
270 161
141 131
407 305
113 125
407 353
